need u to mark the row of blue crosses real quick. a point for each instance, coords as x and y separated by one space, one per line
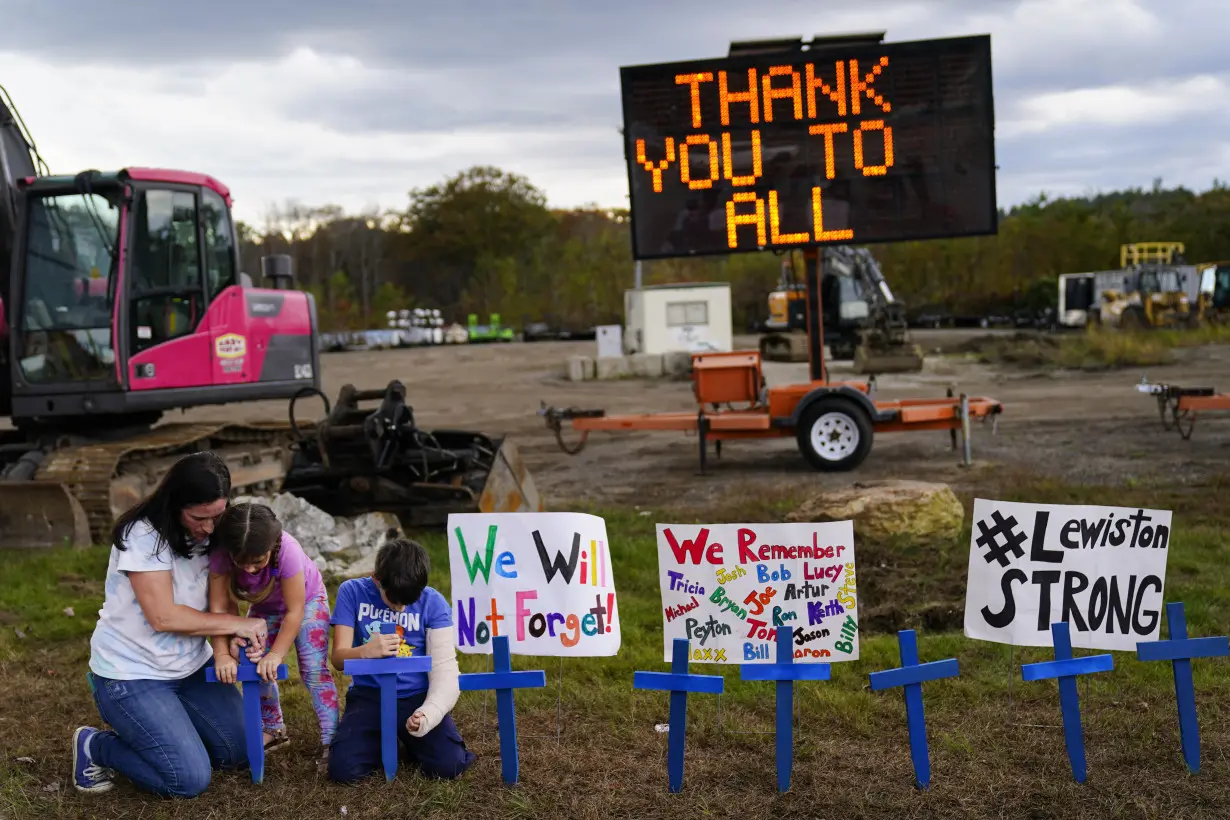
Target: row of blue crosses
503 680
1180 650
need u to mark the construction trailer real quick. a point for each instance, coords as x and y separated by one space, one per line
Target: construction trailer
680 317
1080 295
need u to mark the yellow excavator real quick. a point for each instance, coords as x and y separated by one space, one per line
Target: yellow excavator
862 319
121 300
1153 293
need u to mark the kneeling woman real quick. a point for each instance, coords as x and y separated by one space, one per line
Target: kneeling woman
169 727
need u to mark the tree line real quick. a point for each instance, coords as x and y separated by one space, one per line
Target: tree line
485 241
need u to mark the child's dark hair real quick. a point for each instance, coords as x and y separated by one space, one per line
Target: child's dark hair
401 570
249 532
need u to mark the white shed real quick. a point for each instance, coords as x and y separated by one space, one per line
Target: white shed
691 317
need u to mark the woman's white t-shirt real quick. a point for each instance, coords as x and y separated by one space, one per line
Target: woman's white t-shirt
124 645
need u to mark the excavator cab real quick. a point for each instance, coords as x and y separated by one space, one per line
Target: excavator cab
125 299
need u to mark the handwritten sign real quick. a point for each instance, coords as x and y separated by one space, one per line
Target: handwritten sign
728 588
545 580
1099 569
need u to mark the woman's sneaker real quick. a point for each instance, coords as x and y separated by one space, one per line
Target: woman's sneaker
88 776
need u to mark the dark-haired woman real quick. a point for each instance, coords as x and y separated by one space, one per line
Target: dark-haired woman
169 727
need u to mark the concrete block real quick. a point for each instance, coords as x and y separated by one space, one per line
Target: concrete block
579 368
645 365
612 368
677 364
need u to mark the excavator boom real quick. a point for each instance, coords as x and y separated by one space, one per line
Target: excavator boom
862 319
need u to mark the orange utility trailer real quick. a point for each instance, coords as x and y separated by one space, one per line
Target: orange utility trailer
1178 406
834 423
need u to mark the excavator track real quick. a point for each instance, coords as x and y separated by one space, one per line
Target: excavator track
105 478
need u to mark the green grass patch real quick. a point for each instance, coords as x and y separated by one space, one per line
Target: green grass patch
1090 350
996 746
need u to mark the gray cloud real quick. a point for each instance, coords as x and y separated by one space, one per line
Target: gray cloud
552 65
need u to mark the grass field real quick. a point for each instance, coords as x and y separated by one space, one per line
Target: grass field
1092 349
992 755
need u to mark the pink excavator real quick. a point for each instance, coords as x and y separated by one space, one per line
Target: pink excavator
121 299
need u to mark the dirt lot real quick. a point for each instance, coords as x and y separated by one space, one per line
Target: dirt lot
1081 427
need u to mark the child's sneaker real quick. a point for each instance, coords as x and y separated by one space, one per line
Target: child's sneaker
88 776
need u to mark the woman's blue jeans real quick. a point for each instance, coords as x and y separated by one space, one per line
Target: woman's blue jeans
167 736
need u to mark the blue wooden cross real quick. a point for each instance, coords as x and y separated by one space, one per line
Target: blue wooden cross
386 671
785 672
678 682
1066 668
253 730
1180 650
910 676
503 680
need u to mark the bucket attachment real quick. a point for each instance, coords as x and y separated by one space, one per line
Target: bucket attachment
898 359
39 515
369 455
784 347
509 487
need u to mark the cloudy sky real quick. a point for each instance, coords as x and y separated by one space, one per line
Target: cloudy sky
355 103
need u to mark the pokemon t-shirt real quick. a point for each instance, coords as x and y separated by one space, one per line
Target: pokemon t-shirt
360 607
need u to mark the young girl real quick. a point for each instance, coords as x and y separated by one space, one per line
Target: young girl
255 561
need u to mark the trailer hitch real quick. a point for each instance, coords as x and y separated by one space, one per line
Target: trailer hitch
555 418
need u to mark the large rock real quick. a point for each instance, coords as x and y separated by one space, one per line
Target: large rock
885 509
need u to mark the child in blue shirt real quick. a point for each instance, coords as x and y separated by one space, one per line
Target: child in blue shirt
397 592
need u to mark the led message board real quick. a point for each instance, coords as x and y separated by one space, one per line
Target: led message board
837 144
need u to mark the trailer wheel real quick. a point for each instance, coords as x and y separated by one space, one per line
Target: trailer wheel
834 434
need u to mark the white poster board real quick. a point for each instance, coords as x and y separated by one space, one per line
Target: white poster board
727 588
543 579
1101 569
610 341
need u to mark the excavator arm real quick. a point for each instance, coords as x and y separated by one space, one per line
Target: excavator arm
885 346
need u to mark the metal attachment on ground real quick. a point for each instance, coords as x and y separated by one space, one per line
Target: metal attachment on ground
967 456
1177 406
556 416
952 434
